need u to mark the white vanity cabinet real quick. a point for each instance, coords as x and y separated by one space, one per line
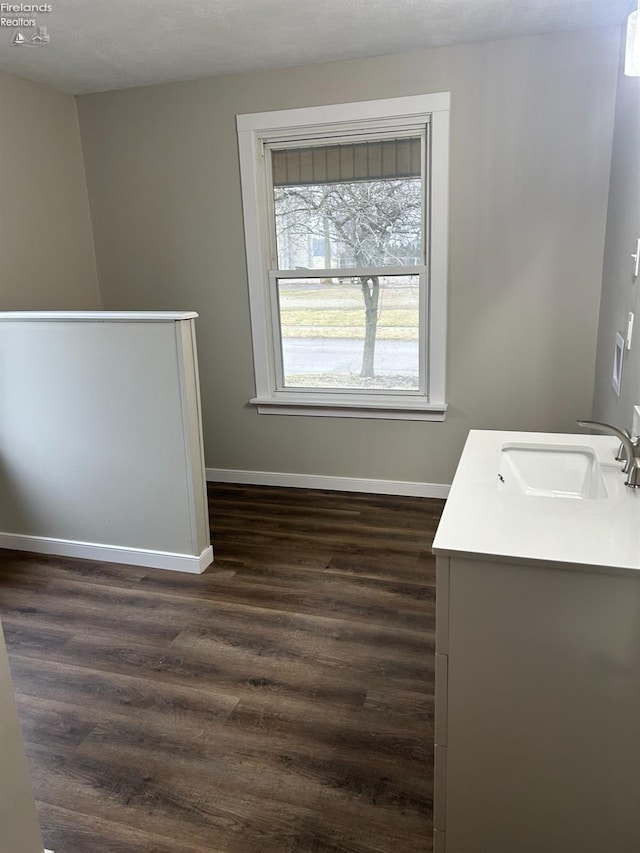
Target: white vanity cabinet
537 664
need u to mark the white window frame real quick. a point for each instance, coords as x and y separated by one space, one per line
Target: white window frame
257 129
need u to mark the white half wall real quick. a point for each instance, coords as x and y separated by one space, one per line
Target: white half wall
100 438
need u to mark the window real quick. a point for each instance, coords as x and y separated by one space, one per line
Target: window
346 231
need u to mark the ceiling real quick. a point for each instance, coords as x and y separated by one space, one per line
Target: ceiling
97 45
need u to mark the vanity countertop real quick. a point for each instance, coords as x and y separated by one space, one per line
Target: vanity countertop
481 519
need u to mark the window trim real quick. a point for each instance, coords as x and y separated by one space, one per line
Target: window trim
253 129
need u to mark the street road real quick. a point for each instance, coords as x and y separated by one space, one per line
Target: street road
335 355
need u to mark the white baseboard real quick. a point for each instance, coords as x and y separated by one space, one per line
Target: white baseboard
108 553
336 484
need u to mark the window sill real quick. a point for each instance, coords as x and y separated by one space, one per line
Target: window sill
332 407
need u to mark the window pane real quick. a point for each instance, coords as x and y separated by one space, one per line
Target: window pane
357 223
350 332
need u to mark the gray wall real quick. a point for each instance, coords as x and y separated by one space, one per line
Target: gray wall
46 244
620 290
530 152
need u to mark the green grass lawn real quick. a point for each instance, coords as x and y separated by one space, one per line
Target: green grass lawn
337 311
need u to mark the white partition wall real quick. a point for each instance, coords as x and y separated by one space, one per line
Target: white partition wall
101 452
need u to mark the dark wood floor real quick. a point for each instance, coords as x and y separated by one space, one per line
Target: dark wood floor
282 701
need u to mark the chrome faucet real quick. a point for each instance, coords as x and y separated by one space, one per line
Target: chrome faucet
630 450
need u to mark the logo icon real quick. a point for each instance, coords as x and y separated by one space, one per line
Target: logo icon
41 37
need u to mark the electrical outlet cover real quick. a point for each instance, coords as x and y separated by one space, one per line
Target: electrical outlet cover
636 420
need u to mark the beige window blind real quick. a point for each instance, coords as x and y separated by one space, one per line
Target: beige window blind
358 161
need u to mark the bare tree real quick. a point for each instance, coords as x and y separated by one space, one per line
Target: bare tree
363 224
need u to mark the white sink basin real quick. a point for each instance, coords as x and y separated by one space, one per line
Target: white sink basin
550 470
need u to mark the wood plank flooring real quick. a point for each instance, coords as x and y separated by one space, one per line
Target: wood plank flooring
282 701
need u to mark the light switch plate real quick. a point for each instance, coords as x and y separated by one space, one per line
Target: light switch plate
636 420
